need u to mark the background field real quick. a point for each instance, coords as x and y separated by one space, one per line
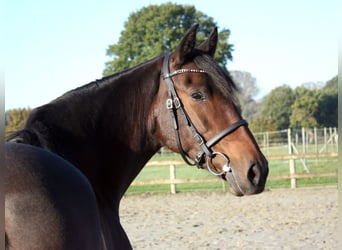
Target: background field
313 151
276 167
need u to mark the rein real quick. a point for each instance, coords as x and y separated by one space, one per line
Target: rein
174 104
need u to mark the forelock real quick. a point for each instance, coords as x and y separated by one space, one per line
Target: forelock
220 79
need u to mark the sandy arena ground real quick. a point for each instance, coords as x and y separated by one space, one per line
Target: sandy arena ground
304 218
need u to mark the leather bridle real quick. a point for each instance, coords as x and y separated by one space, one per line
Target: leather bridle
174 104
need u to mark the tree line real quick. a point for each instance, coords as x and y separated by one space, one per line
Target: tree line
156 29
15 119
308 105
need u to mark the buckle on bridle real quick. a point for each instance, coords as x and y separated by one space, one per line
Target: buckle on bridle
169 103
199 139
176 103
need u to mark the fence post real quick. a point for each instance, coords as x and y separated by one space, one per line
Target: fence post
172 178
335 140
325 139
304 135
268 143
316 144
292 163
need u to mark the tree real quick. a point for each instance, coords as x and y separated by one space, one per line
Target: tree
304 108
332 85
276 107
327 113
247 91
309 105
262 124
15 119
156 29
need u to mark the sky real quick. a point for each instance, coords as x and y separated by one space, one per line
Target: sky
51 47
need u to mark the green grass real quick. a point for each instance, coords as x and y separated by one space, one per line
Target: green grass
276 167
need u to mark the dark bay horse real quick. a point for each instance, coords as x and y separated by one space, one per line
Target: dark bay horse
68 168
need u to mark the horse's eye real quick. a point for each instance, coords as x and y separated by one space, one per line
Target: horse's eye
198 96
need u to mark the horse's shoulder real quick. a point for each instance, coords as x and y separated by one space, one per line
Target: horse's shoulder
27 161
48 196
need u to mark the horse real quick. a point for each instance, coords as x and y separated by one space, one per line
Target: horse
70 165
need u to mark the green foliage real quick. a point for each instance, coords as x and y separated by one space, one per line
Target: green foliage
157 29
331 86
262 124
316 107
15 119
309 105
304 108
276 107
327 113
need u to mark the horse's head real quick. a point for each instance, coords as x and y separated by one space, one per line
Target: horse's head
196 100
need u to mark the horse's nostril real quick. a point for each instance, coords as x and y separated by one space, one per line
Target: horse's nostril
254 174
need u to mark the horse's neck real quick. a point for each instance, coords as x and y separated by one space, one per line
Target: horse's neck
103 130
125 127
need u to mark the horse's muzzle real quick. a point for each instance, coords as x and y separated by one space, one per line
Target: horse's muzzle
253 183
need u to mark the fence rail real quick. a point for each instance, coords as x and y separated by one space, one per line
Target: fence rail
173 181
301 156
285 145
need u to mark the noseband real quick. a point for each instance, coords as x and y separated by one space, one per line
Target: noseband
173 104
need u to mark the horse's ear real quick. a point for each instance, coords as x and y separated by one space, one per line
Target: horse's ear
209 45
186 46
